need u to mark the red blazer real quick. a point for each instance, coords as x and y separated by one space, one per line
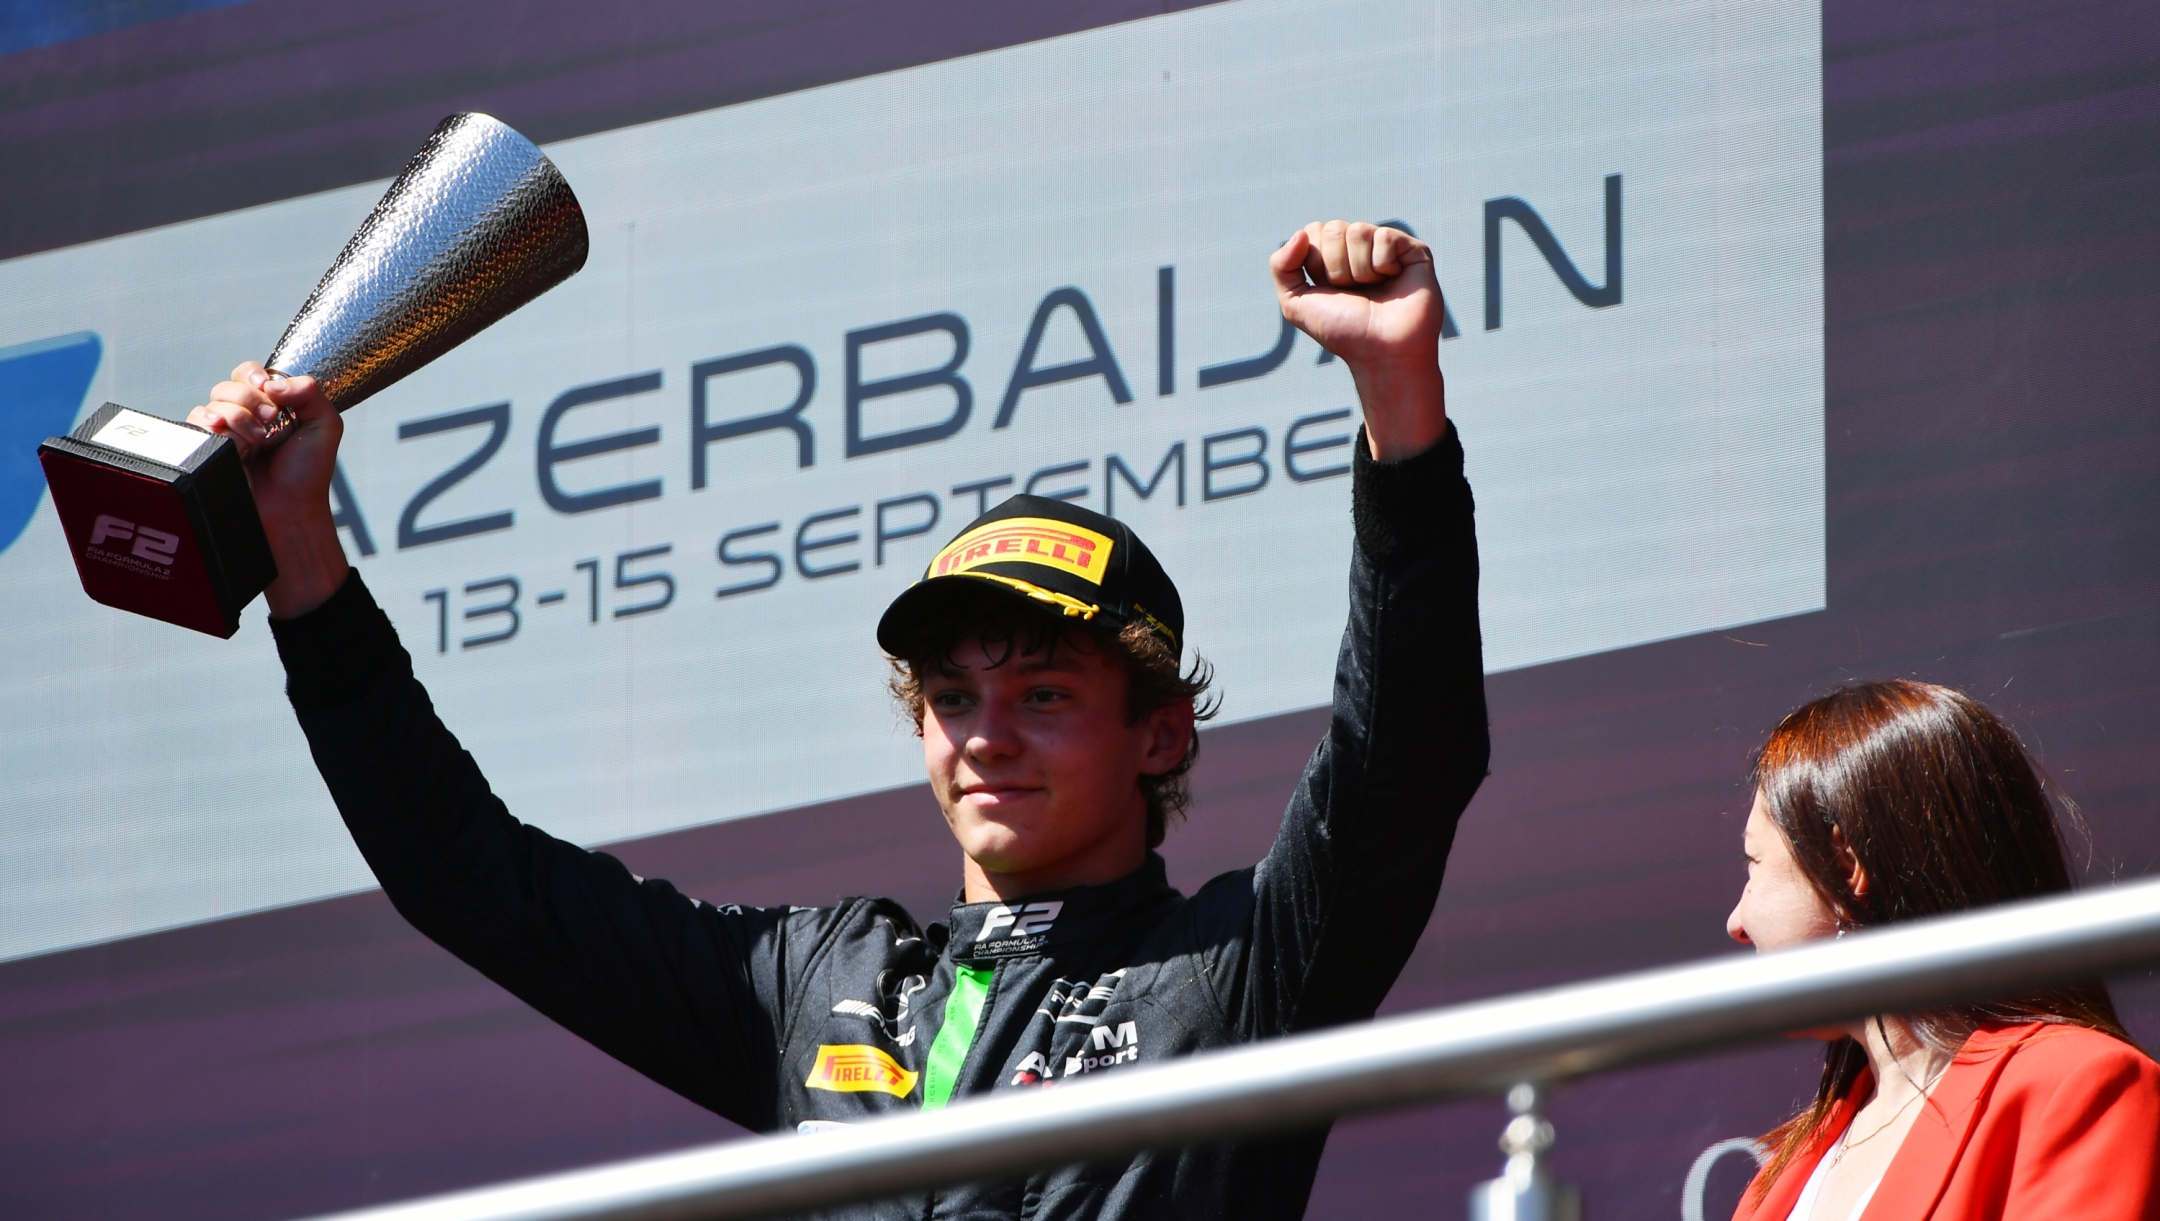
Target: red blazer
2039 1122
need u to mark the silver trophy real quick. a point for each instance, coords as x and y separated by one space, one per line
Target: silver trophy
158 515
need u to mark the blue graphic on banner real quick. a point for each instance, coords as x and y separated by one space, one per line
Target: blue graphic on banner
41 389
27 24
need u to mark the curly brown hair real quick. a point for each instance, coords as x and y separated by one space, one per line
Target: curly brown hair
1010 627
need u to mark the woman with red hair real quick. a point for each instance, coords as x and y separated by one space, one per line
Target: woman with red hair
1899 800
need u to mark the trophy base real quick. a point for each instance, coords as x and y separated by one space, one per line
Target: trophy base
159 519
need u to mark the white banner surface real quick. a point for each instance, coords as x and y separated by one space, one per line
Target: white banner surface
819 331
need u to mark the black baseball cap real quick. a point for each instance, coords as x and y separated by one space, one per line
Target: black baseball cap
1092 567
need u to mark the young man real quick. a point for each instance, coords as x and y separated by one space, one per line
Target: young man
1040 657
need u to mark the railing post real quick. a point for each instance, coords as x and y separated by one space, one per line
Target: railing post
1525 1190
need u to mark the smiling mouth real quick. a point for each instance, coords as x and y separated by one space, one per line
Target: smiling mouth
997 794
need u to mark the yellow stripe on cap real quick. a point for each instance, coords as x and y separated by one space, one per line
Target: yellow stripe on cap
1169 637
1073 607
1027 540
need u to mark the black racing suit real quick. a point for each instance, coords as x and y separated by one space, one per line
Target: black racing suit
794 1017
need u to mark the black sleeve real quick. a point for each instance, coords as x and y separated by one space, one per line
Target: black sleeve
1344 894
689 994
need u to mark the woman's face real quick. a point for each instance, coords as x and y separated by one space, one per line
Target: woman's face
1779 907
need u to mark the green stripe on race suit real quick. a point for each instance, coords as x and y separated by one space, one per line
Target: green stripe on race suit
949 1050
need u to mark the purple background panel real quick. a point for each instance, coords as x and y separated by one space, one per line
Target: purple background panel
1993 442
237 106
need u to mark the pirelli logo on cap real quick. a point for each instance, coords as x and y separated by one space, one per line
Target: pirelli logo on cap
1027 540
858 1068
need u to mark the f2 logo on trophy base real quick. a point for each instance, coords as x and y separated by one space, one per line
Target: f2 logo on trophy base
155 546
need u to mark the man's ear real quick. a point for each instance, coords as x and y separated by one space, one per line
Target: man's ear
1170 730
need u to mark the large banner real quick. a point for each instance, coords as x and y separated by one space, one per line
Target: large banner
637 536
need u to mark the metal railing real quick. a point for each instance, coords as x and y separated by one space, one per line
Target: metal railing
1533 1038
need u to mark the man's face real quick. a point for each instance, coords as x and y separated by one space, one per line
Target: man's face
1036 767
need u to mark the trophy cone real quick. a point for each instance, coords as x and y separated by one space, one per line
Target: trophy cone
158 515
479 223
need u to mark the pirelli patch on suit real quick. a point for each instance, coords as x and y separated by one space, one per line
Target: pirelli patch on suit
858 1068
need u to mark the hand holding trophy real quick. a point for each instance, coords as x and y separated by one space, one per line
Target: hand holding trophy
159 516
